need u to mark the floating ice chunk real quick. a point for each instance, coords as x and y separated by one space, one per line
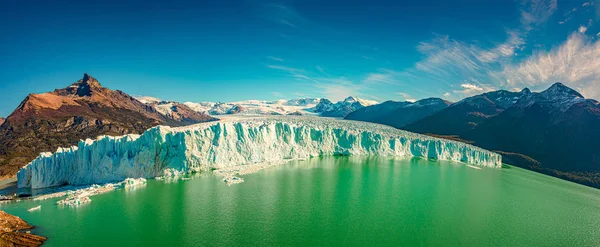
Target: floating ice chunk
34 208
134 182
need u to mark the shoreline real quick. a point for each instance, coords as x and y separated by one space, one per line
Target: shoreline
14 232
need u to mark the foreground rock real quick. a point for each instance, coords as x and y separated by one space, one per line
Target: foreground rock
11 234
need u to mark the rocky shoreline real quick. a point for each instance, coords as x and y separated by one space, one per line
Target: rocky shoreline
12 232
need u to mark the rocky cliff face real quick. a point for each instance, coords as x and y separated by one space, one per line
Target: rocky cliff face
85 109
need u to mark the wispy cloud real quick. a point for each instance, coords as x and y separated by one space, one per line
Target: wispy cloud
334 88
468 89
576 62
407 97
282 14
382 76
536 12
275 58
285 68
277 94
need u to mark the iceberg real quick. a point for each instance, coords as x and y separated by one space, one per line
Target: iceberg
234 142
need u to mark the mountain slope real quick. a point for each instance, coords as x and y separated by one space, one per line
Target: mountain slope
398 114
461 117
44 122
1 121
555 131
557 127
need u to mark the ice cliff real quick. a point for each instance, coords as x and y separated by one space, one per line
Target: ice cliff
234 142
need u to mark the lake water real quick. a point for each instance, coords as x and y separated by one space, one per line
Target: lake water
334 201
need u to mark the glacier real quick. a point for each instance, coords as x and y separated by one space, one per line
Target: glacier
233 142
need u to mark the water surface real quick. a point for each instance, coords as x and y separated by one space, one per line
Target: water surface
334 201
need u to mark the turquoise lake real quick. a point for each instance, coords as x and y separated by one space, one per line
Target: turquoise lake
334 201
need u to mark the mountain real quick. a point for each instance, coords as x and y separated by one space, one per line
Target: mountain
398 114
299 106
85 109
1 121
326 108
555 131
461 117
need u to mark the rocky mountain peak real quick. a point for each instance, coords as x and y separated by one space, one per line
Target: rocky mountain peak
86 85
559 90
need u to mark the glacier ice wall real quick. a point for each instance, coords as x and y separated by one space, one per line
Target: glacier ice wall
234 142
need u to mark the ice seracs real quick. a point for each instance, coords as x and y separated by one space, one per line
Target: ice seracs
231 143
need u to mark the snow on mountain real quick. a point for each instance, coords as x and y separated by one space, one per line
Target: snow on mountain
147 99
299 106
232 143
557 96
342 108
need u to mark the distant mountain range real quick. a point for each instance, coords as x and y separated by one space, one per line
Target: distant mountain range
44 122
300 106
398 114
555 131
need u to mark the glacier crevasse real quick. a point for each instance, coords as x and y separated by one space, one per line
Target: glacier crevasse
234 142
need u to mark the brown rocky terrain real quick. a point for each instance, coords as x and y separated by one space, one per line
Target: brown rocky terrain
11 232
1 121
85 109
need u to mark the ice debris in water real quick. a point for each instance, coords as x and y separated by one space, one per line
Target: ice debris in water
231 143
82 195
34 208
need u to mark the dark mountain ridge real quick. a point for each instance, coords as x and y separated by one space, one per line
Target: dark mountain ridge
398 114
556 129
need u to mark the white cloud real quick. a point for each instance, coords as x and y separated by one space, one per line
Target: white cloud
586 4
407 97
147 99
582 29
469 89
446 94
576 63
277 94
338 92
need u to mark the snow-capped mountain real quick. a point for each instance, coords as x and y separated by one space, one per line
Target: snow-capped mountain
299 106
342 108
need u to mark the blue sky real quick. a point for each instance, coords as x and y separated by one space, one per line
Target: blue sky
231 50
